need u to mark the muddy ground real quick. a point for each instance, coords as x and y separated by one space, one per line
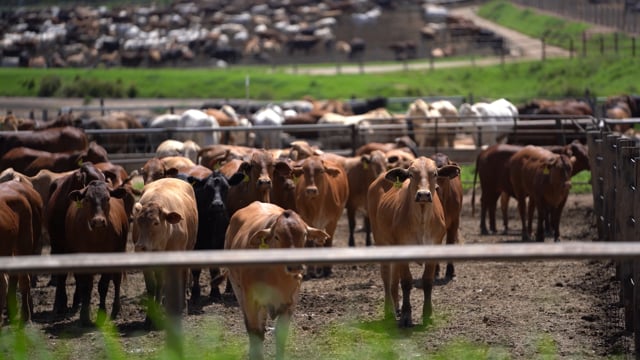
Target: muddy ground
515 308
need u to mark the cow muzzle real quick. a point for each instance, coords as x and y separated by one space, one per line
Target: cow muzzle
97 222
423 196
264 183
311 191
295 270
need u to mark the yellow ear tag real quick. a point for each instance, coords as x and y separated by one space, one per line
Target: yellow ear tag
246 178
78 204
397 184
365 165
216 166
263 245
545 171
79 162
295 179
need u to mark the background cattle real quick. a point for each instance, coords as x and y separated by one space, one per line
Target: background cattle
405 209
322 191
495 118
268 290
165 219
53 140
545 178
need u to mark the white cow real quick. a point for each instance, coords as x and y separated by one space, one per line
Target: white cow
491 121
188 149
270 115
192 118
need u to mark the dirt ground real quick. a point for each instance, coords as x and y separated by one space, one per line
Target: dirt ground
515 307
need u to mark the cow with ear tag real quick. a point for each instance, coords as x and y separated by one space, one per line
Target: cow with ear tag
268 289
405 209
97 219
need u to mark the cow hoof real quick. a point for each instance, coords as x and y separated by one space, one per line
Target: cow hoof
484 232
405 321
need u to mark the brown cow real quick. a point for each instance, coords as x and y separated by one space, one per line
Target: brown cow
450 193
165 219
60 139
271 290
156 168
322 190
545 177
56 211
405 209
97 222
29 161
404 143
361 171
20 224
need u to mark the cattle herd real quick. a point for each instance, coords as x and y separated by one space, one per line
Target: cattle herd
210 192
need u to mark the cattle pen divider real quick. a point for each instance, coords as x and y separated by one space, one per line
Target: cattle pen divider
568 250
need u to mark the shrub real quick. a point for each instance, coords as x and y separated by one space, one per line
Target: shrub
49 85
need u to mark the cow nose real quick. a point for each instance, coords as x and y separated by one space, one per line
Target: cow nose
295 269
217 205
262 183
98 222
311 191
423 196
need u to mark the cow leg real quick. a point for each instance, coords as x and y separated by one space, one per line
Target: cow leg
522 209
428 277
530 211
351 219
483 216
27 301
504 206
103 288
4 285
542 215
60 302
389 303
367 230
255 322
11 298
282 332
452 239
84 285
555 222
195 287
491 208
117 284
216 279
406 282
152 301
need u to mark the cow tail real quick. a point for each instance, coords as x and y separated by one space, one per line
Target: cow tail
473 190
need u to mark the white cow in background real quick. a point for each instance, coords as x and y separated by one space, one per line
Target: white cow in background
192 118
188 149
270 115
492 121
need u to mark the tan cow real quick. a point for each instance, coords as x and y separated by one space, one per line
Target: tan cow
271 290
405 209
545 177
165 219
322 190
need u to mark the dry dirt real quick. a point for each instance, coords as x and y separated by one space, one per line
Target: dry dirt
519 309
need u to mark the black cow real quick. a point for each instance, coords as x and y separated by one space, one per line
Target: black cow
213 219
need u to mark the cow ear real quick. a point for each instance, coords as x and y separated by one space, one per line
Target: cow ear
137 207
331 170
259 238
172 217
118 193
397 174
171 172
236 178
316 236
283 168
449 171
297 171
76 195
365 160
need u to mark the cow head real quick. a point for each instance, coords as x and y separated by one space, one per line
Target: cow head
213 190
422 173
314 169
94 198
376 162
151 226
579 154
258 172
155 169
557 171
288 231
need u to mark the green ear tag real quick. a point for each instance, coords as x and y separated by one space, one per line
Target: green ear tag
263 245
295 179
216 166
365 165
78 204
397 184
79 162
545 171
246 178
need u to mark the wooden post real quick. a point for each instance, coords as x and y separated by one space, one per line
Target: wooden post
601 45
544 49
584 44
102 107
